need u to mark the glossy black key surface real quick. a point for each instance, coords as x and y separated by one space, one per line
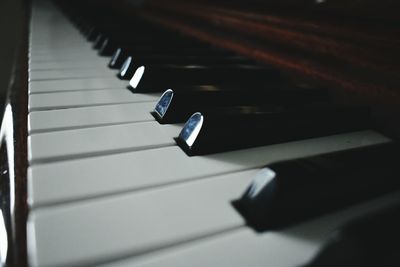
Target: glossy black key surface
177 104
112 43
158 78
162 60
232 128
366 242
141 54
290 191
98 42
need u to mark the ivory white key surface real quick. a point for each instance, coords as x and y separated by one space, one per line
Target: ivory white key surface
55 44
56 57
57 48
53 54
62 119
75 84
141 221
76 46
71 48
73 54
89 177
70 73
100 140
37 49
290 247
86 98
67 38
100 63
59 45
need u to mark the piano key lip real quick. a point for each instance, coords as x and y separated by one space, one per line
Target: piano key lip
114 58
137 77
163 104
191 129
125 67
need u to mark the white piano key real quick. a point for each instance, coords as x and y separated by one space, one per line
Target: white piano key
73 49
90 177
239 248
64 100
48 41
100 63
75 84
48 38
41 53
56 48
58 57
141 221
69 144
59 45
51 36
70 73
291 247
52 120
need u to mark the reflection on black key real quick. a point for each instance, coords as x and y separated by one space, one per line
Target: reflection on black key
117 59
287 192
231 128
177 105
99 41
367 242
92 34
107 48
158 78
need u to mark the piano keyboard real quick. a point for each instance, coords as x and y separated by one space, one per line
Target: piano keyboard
107 185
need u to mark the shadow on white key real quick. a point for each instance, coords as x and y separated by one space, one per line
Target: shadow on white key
62 57
291 247
75 99
143 222
110 174
75 85
70 74
64 119
173 214
100 63
70 144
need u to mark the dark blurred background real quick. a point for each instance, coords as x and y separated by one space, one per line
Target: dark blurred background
10 32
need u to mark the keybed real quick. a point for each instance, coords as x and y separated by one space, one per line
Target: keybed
107 184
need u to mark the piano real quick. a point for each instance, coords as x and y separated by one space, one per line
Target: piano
90 177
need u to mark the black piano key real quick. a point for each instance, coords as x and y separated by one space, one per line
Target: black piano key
232 128
158 78
146 53
162 56
92 34
131 32
99 41
112 43
287 192
85 29
177 104
107 48
117 59
366 242
161 60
